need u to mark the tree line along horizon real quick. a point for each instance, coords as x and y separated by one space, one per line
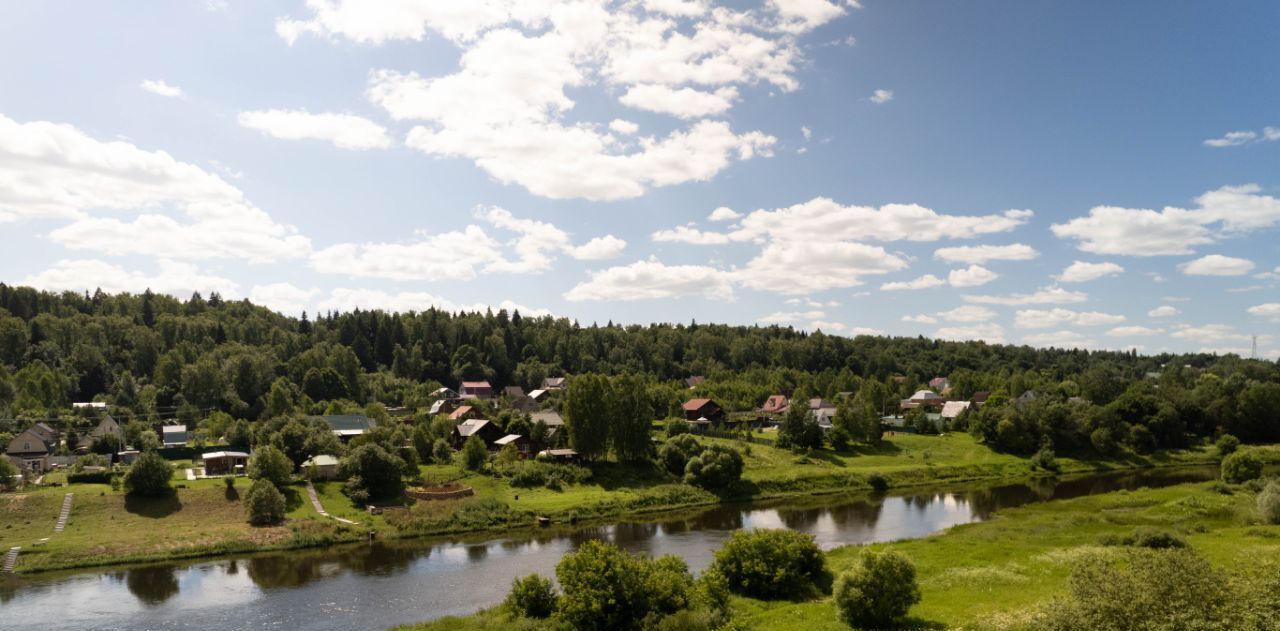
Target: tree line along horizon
151 355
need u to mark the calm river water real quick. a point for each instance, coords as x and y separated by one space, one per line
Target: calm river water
377 585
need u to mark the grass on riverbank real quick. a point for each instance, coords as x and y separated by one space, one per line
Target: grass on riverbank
106 526
201 520
994 574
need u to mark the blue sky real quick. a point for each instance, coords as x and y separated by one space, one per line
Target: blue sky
1069 174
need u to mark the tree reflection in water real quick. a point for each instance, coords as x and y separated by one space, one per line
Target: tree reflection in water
152 585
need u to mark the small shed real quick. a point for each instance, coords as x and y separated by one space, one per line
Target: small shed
522 444
559 455
225 462
320 467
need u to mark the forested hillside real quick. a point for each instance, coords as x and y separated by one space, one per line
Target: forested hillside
153 356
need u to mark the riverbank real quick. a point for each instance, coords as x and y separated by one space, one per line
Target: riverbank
203 519
997 574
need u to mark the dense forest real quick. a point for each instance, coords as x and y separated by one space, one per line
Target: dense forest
152 356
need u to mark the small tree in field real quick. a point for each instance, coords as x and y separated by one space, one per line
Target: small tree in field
264 503
474 453
877 593
270 464
149 476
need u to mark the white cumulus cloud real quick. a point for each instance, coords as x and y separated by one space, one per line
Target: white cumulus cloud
345 131
1217 265
1083 272
156 86
979 254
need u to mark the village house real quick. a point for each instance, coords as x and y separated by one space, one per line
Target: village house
463 413
701 414
31 449
538 395
90 405
775 405
979 398
923 398
448 394
322 467
953 409
477 390
127 456
174 435
694 381
513 392
225 462
938 384
347 426
822 411
550 418
443 406
487 431
554 383
107 425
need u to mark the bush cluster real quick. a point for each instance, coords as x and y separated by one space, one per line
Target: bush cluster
878 591
773 564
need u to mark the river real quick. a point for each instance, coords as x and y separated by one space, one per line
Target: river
381 584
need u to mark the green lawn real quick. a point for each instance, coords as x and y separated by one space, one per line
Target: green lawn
107 526
991 575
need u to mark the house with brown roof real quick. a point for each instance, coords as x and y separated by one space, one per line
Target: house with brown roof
487 431
477 390
776 405
700 410
463 413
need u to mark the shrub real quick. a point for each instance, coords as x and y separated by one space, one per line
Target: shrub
676 452
270 464
772 564
604 587
715 468
1241 466
1227 445
531 597
1154 538
1143 589
264 503
441 452
474 453
149 476
1044 459
878 481
529 474
1102 440
878 592
675 427
1269 503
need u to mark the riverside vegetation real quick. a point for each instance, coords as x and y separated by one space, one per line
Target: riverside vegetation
243 377
1193 556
